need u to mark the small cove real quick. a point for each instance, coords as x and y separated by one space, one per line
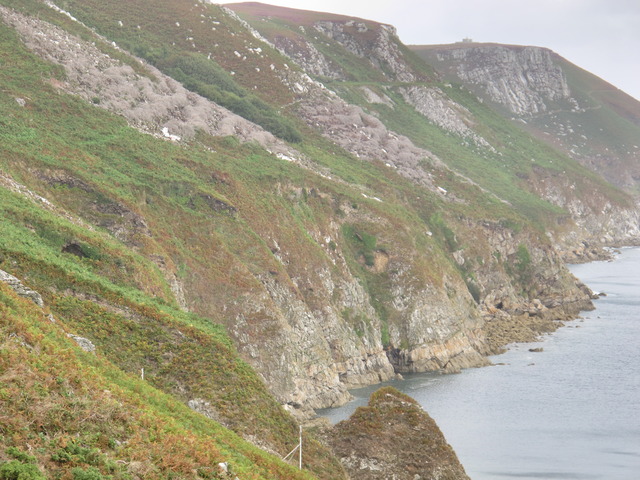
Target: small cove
569 412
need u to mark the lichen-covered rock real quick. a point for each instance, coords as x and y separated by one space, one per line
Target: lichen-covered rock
393 438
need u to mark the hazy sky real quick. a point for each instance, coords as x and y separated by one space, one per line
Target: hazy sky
602 36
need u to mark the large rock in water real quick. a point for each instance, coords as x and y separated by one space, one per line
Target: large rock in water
393 438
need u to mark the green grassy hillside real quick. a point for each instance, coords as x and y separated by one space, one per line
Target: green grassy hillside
70 414
512 164
246 283
90 163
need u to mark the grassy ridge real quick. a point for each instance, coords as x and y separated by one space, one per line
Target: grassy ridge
182 354
170 186
509 170
112 293
80 415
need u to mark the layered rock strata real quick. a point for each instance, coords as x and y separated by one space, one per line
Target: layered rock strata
525 80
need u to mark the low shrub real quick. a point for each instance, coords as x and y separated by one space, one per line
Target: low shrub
16 470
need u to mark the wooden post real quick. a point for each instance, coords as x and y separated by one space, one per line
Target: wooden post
300 448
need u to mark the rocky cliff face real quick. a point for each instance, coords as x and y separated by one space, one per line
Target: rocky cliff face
531 79
525 80
599 222
555 100
311 329
343 278
309 57
319 353
377 43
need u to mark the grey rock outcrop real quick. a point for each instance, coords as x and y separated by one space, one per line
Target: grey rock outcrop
373 97
153 103
444 112
366 137
204 408
308 57
18 287
319 357
383 51
525 80
84 343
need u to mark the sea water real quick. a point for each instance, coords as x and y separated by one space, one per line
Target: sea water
571 411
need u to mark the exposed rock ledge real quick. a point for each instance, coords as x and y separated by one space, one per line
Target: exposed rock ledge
21 289
502 329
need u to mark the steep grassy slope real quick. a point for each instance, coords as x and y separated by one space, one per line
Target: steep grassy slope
69 413
254 274
206 216
465 133
279 248
602 132
92 164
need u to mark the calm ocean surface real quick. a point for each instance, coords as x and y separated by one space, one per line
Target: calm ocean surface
569 412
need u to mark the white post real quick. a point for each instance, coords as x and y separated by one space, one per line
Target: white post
300 448
142 373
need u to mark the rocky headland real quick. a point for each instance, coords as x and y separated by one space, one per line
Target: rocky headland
393 438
